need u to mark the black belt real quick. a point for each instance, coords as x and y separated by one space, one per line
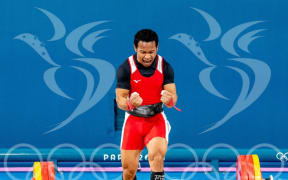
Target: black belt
147 110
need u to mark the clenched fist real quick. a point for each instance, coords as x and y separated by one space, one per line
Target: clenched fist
166 98
135 99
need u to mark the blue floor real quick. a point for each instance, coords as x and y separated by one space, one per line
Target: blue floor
140 176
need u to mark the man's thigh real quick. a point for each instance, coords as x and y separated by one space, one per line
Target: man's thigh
130 158
157 145
161 128
132 133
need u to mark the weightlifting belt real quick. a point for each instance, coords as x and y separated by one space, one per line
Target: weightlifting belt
147 110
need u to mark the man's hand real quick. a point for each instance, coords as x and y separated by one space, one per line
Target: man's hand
166 98
135 99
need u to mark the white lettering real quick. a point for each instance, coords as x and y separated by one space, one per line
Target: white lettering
106 156
113 157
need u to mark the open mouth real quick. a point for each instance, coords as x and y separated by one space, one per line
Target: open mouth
147 61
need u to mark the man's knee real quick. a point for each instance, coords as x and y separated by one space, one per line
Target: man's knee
129 170
156 157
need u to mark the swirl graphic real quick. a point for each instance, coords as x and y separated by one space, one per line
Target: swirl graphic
104 68
59 27
260 69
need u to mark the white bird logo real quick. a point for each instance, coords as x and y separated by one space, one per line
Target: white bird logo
104 68
262 73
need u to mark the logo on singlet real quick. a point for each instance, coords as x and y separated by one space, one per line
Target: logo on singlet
136 81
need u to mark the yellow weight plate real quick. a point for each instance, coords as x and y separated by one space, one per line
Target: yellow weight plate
37 171
257 168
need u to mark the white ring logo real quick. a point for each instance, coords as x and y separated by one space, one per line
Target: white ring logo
281 156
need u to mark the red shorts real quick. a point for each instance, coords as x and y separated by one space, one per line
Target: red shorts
138 131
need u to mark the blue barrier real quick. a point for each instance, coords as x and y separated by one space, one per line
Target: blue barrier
113 155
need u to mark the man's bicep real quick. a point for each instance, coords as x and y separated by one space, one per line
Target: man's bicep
123 77
168 74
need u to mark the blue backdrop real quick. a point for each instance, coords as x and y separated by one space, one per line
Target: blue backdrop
59 58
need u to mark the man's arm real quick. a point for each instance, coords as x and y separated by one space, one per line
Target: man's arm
169 95
121 98
123 85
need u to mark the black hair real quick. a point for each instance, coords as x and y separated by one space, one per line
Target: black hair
146 35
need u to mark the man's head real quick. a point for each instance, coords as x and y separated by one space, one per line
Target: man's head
146 46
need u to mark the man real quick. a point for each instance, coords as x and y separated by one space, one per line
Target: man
145 81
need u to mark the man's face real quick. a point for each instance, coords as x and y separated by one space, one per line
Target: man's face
146 52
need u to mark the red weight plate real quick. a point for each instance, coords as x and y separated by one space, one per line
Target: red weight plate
241 170
51 170
250 167
44 171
